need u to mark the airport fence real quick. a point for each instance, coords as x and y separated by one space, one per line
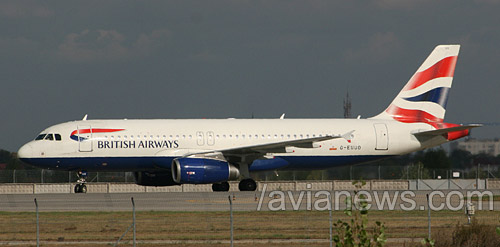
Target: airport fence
381 172
217 219
359 172
42 176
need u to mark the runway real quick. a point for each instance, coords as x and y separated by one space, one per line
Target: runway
190 201
219 201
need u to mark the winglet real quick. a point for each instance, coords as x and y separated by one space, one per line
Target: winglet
282 116
85 117
348 136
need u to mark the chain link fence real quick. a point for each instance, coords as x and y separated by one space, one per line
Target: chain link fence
359 172
201 225
380 172
51 176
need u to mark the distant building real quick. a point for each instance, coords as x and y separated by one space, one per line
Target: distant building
477 146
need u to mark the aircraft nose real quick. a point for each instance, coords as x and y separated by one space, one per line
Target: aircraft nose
26 151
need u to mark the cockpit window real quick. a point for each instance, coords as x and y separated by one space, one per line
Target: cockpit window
40 137
49 137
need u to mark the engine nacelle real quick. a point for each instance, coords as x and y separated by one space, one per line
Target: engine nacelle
202 171
154 178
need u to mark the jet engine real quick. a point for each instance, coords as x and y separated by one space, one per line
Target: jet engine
202 171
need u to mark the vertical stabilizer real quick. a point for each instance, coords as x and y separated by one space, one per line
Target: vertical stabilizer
423 99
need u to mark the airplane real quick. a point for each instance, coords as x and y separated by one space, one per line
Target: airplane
214 151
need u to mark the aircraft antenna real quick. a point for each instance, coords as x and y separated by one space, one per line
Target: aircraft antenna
347 106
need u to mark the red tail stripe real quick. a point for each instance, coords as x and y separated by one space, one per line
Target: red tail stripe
455 134
86 131
413 116
443 68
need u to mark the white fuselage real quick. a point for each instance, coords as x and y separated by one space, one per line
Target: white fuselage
135 145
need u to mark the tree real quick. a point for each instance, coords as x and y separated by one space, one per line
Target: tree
435 159
460 159
13 163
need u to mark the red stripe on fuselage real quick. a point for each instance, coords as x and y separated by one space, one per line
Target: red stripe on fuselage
86 131
443 68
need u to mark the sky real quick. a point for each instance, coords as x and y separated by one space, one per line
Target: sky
60 60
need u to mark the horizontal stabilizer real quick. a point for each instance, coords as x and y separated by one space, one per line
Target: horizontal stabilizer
450 133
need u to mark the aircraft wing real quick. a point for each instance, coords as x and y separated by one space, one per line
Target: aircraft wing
446 130
276 147
262 149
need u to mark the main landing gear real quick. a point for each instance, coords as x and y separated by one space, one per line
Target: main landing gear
80 186
246 184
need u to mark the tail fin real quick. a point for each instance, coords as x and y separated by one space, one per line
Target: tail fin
423 99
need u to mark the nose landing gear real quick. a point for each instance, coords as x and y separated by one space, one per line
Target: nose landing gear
80 186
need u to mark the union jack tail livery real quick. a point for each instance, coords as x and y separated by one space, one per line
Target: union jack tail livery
423 99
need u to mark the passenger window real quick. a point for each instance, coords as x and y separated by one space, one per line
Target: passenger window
58 137
40 137
49 137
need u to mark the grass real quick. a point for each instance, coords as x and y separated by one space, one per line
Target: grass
213 227
484 198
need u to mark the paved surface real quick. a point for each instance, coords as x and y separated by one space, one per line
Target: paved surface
218 201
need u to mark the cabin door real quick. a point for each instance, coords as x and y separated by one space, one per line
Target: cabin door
84 134
381 136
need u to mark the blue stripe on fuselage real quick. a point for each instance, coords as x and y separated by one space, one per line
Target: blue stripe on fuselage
161 163
102 163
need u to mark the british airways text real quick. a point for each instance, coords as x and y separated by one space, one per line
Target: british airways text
138 144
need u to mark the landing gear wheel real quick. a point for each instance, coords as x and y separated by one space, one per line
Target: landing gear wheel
83 188
224 186
80 188
247 184
77 188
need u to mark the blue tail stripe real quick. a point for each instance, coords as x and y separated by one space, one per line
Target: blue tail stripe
436 95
